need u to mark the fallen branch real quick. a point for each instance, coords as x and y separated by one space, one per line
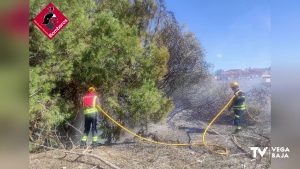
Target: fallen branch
94 156
198 161
234 140
94 167
83 154
74 127
253 137
266 137
238 154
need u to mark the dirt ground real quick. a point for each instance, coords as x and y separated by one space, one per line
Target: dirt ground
136 154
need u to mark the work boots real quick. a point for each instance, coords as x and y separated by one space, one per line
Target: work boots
93 145
237 130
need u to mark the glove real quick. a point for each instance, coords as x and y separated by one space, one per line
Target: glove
236 93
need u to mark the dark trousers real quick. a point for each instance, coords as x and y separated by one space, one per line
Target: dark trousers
238 115
90 120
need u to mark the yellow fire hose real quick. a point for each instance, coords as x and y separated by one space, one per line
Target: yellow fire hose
204 143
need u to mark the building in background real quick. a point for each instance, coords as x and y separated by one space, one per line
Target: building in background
261 74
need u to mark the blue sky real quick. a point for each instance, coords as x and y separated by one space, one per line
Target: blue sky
233 33
285 39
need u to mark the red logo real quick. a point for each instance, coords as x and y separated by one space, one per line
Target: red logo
50 21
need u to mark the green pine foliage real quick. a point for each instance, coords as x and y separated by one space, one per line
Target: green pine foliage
51 64
99 47
124 71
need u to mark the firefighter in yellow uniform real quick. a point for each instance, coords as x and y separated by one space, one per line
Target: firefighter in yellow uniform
238 105
89 102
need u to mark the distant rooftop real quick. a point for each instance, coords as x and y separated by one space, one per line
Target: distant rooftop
243 73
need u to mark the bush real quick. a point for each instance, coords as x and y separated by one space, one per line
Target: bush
259 103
